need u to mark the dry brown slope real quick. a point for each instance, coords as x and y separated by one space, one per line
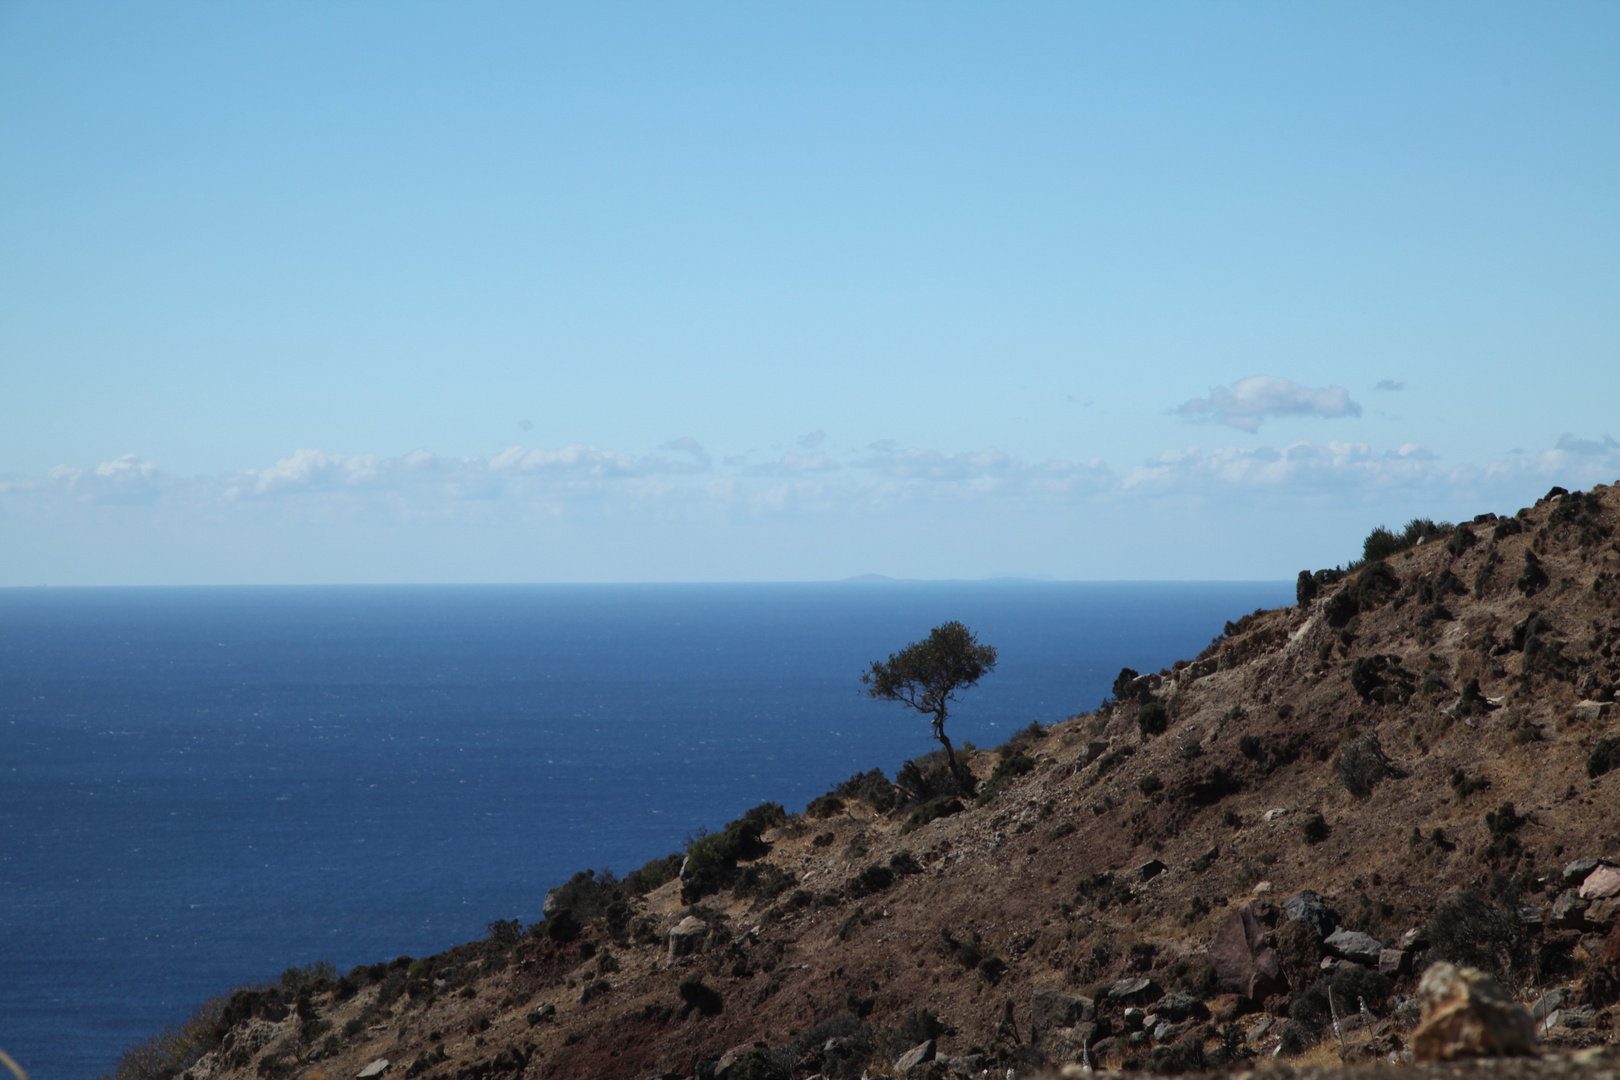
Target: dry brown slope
1015 897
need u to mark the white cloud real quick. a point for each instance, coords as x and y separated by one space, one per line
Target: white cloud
1248 402
127 480
1390 385
813 440
521 483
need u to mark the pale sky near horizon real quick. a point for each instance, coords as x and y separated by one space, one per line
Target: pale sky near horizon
417 292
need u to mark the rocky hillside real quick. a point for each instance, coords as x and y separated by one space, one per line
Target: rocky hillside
1249 857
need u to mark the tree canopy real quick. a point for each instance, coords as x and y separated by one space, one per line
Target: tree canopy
927 674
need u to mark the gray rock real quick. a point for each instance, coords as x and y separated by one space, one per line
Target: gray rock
376 1068
1312 910
1393 962
1262 1029
1181 1006
1550 1002
1591 710
1150 870
1568 912
1136 990
689 937
967 1064
1354 945
1134 1019
1579 1016
1050 1010
917 1055
1576 872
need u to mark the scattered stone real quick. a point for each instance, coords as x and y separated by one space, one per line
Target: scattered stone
1601 884
1604 913
1181 1006
1412 939
1393 962
1263 889
1354 945
1568 912
1273 815
1243 963
376 1068
1592 710
1550 1002
1576 872
1329 963
1310 909
1050 1010
1136 991
689 937
1467 1014
917 1055
1263 1028
967 1064
729 1060
1134 1019
1578 1016
1150 870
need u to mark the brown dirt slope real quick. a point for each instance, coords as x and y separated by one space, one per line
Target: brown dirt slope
1426 743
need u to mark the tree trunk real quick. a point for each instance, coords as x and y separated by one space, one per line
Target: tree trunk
964 778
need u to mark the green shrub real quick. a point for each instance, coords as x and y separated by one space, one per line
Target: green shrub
1381 543
1061 831
705 999
872 788
711 860
1006 769
1152 719
825 806
1315 829
1149 784
943 806
655 873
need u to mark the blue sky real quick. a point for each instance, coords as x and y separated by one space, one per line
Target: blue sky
509 292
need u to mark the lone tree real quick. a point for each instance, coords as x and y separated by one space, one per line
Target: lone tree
926 675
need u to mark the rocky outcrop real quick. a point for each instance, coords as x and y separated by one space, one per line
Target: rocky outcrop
1467 1014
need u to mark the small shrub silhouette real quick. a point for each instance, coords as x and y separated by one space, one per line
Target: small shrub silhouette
943 806
1315 830
705 999
1152 719
1362 765
1605 757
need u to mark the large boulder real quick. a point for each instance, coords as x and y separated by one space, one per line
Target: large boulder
1309 908
914 1057
1467 1014
1051 1009
1244 958
1601 884
1354 945
1134 991
1181 1006
689 937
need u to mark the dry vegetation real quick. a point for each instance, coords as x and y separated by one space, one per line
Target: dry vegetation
1424 741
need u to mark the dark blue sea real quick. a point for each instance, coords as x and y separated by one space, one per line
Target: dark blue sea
202 787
